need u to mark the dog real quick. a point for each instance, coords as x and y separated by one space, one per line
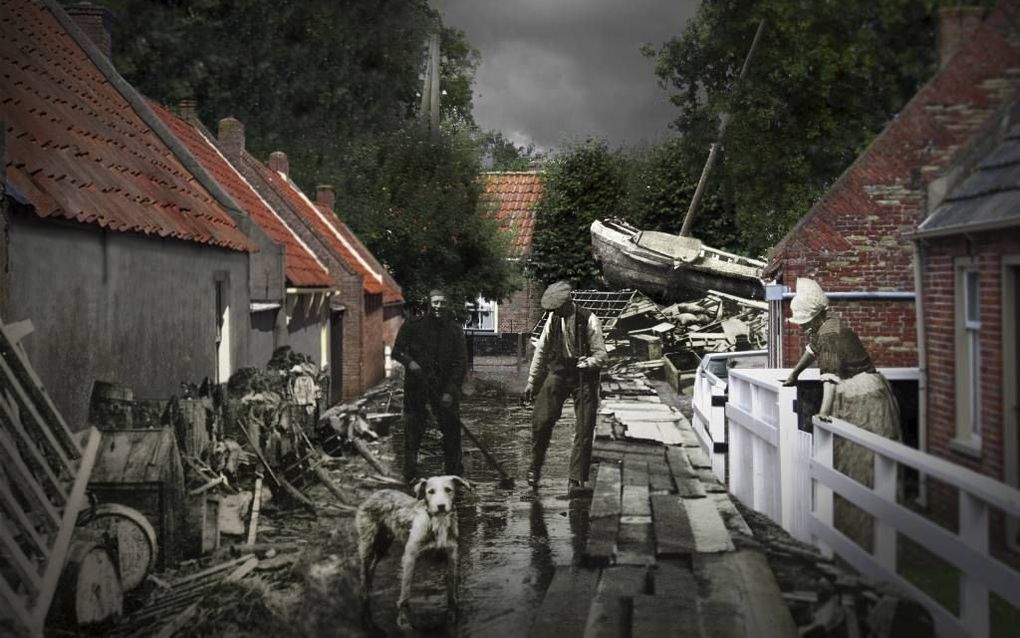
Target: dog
425 523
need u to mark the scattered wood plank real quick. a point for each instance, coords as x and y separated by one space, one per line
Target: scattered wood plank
606 507
180 621
627 447
731 515
710 534
690 488
635 500
660 481
635 470
673 533
256 507
565 608
609 616
668 617
680 464
722 612
764 607
698 458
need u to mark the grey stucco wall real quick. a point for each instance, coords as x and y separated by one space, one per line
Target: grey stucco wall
304 332
262 338
121 307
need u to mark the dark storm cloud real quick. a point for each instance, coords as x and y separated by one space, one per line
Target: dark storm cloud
556 70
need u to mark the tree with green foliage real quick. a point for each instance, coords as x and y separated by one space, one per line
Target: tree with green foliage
585 182
414 201
501 154
826 78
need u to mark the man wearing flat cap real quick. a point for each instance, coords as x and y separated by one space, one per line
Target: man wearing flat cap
570 352
434 355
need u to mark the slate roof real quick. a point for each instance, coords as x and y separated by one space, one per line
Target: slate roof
301 266
334 233
513 197
77 150
989 199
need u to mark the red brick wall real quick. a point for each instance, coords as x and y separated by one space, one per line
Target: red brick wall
852 240
887 328
374 345
352 297
521 312
940 325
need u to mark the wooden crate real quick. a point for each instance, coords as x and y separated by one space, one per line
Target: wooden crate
142 469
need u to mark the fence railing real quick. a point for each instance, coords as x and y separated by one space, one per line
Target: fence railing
967 550
787 474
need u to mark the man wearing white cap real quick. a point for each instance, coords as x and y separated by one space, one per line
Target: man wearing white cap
852 390
570 352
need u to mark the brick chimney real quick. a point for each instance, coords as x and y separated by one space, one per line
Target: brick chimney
325 196
278 162
95 22
231 138
956 26
188 110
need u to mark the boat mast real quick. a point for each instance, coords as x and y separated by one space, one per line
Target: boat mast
713 151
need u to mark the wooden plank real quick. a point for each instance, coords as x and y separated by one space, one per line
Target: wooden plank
673 533
13 555
666 617
722 613
673 579
731 515
690 488
15 511
643 431
606 507
635 544
610 613
710 534
659 478
606 492
628 447
635 500
764 607
710 483
75 501
679 464
16 606
566 605
698 458
600 548
41 429
635 470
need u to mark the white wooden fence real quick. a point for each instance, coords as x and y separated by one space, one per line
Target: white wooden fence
788 475
709 408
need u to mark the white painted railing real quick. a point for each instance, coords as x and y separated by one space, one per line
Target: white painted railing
787 474
709 409
967 550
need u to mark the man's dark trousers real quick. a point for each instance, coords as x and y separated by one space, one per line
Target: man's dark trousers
557 386
417 398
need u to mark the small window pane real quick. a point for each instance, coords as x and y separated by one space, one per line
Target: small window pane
971 291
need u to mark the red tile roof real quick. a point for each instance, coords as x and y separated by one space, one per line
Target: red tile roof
335 234
513 198
77 150
302 268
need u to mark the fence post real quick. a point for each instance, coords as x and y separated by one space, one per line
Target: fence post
822 493
885 534
973 594
786 424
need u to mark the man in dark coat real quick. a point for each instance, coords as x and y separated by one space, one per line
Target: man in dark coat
570 352
434 355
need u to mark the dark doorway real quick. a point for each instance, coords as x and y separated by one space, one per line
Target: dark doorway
336 356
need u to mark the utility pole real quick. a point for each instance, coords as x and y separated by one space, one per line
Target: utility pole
430 87
713 152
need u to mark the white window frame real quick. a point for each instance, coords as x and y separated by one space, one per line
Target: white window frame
221 300
967 321
483 305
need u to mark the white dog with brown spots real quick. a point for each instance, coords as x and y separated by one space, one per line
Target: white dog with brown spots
425 523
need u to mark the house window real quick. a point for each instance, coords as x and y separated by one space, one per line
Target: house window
968 354
483 317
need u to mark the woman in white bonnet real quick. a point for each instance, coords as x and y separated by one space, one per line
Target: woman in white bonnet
852 390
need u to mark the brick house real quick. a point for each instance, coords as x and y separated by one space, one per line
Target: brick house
970 287
512 197
365 292
130 260
302 322
853 241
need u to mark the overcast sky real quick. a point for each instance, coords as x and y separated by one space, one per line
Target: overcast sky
558 70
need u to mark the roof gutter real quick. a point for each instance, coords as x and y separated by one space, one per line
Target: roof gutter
962 229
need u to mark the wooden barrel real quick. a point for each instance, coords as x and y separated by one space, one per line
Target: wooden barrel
135 538
90 589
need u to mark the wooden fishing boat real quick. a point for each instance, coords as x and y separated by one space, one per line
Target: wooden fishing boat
671 267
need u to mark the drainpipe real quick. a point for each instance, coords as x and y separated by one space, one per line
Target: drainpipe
922 367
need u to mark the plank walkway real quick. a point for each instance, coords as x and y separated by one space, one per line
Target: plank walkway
660 557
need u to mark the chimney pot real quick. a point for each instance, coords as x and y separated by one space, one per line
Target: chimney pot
95 22
187 109
956 26
278 162
231 137
325 196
